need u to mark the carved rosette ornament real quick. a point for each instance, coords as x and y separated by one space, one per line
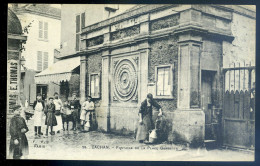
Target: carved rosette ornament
125 80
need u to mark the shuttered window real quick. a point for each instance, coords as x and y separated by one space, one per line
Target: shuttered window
77 42
43 30
42 60
82 20
45 60
77 23
40 29
80 23
39 60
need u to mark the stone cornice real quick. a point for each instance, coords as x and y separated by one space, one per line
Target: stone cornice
124 16
17 37
188 28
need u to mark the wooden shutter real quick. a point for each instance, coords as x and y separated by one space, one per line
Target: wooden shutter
39 60
40 29
77 42
45 60
77 23
82 20
45 30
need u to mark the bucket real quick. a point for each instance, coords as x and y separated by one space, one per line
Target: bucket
153 136
87 126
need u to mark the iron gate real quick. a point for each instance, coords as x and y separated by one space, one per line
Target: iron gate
238 118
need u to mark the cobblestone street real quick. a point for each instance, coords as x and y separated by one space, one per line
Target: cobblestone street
73 145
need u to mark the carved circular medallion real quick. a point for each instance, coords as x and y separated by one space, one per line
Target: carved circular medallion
125 80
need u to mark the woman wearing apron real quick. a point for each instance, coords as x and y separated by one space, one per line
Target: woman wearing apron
145 118
38 107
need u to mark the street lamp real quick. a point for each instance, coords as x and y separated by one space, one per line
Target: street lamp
22 61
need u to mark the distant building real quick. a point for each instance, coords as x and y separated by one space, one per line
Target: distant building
73 19
42 22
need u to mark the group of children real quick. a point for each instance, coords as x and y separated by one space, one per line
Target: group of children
58 113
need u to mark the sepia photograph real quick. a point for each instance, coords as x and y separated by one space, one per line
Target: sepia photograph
131 82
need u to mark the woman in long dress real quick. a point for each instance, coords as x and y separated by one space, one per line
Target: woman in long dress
50 120
145 118
38 107
18 143
58 112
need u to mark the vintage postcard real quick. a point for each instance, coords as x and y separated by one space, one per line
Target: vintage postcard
169 82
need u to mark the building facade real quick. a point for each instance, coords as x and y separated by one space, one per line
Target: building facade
42 25
175 52
15 41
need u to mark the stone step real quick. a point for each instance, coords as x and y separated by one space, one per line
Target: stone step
210 144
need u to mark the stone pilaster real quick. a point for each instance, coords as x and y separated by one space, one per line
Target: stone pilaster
83 78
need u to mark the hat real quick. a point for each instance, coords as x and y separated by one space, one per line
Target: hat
16 107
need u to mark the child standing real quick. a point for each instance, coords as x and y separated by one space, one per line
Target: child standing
87 113
50 116
66 116
18 143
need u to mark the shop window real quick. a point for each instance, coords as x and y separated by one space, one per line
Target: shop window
42 60
164 76
94 85
43 30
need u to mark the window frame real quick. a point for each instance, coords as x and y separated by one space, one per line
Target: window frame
99 85
171 66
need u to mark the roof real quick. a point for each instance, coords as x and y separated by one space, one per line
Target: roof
134 7
40 9
14 25
59 71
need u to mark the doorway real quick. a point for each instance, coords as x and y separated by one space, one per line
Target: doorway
42 89
207 78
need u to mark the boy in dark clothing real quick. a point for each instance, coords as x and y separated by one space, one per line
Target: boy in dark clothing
66 116
75 107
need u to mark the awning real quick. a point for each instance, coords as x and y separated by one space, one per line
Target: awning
59 71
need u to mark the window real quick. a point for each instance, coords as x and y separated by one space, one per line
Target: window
94 85
80 23
163 81
42 60
43 30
